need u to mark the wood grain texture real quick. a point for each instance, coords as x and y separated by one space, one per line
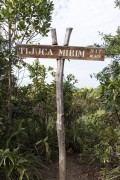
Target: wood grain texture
60 52
60 105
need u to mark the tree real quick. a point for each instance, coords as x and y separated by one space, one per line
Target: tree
21 21
117 2
109 79
3 78
112 44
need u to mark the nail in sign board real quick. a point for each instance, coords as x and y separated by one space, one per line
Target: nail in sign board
60 52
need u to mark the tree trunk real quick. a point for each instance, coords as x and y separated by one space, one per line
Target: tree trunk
60 106
9 80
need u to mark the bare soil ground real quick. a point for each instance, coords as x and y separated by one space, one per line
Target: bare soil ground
75 171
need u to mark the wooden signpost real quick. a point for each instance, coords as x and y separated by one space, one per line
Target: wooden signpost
60 53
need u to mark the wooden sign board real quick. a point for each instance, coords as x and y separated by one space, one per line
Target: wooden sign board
60 52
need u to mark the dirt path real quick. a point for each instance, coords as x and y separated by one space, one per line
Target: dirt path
75 171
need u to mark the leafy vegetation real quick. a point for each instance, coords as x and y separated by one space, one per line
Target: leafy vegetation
91 122
28 131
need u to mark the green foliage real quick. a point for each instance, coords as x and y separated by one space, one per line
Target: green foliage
110 87
20 159
36 109
4 67
91 115
10 161
96 140
112 43
21 21
46 144
111 174
14 165
117 3
68 93
92 130
27 18
3 77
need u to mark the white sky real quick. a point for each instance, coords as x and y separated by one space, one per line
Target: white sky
87 18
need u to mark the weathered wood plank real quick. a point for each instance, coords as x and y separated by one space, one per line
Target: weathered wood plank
60 52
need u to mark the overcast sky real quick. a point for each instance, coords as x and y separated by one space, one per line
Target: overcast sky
87 18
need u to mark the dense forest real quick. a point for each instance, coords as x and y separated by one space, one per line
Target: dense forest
28 136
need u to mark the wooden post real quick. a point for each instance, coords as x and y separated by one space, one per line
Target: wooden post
75 53
60 105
